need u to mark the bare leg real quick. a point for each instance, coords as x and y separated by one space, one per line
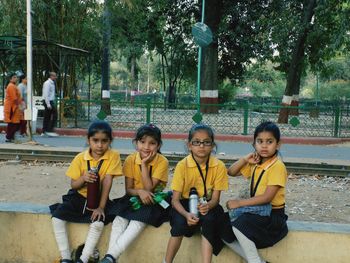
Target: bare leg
207 250
174 244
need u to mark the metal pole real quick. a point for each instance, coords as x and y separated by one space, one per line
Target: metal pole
200 65
29 110
317 89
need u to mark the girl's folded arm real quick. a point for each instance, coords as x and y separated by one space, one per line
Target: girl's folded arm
265 198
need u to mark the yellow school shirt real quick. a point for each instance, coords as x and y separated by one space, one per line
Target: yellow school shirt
111 165
186 176
160 169
275 174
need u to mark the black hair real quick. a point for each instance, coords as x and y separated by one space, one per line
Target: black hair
201 127
268 126
151 130
11 75
100 126
22 77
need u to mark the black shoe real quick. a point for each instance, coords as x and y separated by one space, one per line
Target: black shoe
108 259
79 261
9 140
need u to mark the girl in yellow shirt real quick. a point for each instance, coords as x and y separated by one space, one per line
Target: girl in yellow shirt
203 171
74 207
257 226
146 175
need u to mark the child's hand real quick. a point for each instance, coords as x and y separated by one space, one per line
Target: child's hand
146 196
191 219
203 208
97 215
232 204
89 177
149 158
252 158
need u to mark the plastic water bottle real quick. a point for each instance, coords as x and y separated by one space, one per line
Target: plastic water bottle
135 202
193 201
93 191
159 198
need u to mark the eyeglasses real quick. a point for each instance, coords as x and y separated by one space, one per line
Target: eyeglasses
205 143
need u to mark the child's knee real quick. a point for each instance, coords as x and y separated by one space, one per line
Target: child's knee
137 225
120 222
98 225
58 222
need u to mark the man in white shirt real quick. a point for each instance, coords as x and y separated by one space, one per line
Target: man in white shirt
50 114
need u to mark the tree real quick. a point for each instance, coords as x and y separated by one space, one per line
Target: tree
304 34
67 22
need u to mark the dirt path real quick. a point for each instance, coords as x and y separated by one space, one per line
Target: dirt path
309 197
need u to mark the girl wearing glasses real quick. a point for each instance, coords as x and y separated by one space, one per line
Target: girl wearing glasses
259 221
201 170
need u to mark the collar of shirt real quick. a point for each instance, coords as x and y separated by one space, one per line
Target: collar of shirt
191 162
268 163
87 155
139 161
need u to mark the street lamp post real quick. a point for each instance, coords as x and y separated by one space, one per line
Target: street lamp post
29 110
202 37
200 64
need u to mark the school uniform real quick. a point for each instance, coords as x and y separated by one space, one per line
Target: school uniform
150 214
264 231
73 206
186 176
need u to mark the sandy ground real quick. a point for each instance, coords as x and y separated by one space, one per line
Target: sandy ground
309 197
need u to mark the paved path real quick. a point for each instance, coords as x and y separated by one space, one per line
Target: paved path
234 148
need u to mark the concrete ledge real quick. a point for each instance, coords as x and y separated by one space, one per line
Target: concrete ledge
27 236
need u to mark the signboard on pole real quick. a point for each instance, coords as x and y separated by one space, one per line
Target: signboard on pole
202 34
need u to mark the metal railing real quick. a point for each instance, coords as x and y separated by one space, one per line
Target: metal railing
234 118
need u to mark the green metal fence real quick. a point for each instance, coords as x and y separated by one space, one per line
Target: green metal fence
235 118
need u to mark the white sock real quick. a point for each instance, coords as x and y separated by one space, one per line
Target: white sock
61 235
131 232
118 227
248 247
95 231
236 247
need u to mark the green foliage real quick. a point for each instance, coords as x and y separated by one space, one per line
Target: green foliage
67 22
227 91
263 80
335 90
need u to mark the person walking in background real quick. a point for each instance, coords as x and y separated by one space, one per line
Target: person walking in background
50 114
208 175
146 175
12 110
97 165
22 86
259 221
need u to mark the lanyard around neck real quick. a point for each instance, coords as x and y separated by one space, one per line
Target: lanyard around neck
98 166
253 191
252 188
204 178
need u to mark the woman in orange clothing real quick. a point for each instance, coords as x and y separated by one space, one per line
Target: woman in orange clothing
12 111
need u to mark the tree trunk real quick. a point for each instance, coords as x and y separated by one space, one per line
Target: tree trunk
209 71
291 94
105 66
171 96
